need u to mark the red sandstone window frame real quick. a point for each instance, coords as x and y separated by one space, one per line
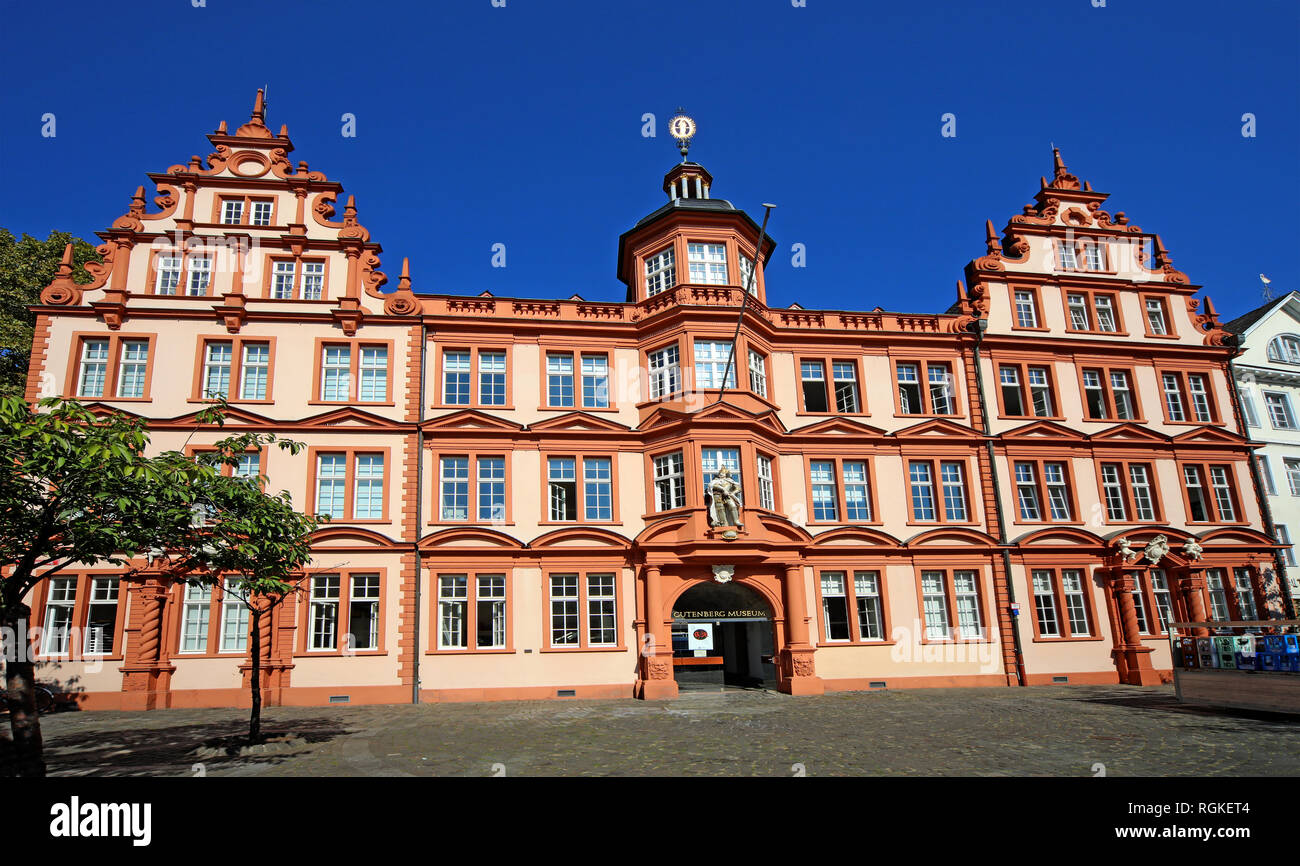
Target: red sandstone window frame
690 493
828 366
849 569
236 368
1203 467
268 272
1185 396
579 457
936 483
1026 395
1107 389
219 205
837 460
1230 590
113 369
176 623
583 569
473 455
1080 244
350 453
439 395
182 287
924 363
354 371
471 574
1062 612
1171 333
1091 295
302 636
1126 488
949 567
1036 299
1040 482
227 470
576 354
80 614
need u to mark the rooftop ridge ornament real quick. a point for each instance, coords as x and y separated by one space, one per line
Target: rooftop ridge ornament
682 128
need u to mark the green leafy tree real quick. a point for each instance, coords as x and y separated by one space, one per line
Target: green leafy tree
28 265
75 487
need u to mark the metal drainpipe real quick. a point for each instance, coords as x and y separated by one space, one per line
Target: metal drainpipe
1261 495
419 516
980 324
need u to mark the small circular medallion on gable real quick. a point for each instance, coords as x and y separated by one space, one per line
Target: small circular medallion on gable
249 164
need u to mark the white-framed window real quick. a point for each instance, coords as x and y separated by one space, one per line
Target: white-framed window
1156 316
232 212
747 274
94 368
1173 397
766 492
835 606
1284 348
283 275
660 272
313 281
323 612
940 377
1283 536
1009 378
454 488
1026 310
234 618
200 276
707 263
1113 490
562 487
492 378
597 492
363 612
857 490
1143 504
373 387
1246 608
1105 308
922 479
1076 603
1027 492
490 612
1248 407
1214 586
168 278
812 376
1077 305
196 608
845 374
1095 255
1045 604
1058 491
970 624
597 488
261 213
954 490
825 503
1040 392
559 379
368 497
453 601
711 357
934 598
101 616
336 373
248 467
670 481
565 621
455 377
595 381
1266 473
665 375
757 373
59 605
492 489
1279 410
1160 592
218 356
1199 389
255 370
602 626
1122 393
331 484
866 592
1066 256
1223 499
133 367
713 459
1292 474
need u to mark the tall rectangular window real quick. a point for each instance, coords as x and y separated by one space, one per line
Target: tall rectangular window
331 484
813 376
1224 502
1214 587
132 368
922 491
713 459
1266 474
216 369
1058 491
1199 390
1173 397
490 612
940 377
1292 474
1279 411
455 377
363 612
970 624
323 612
602 627
1040 392
453 601
1248 408
1077 305
559 379
59 606
368 498
1283 536
336 373
1113 489
1027 492
1105 308
1122 394
1026 310
595 381
909 390
664 372
824 501
565 626
711 358
562 487
167 280
670 481
1011 401
261 215
866 592
954 491
1076 603
94 368
835 606
1197 505
1066 256
1156 323
234 618
1045 604
766 492
256 371
1160 592
1246 608
708 263
313 281
757 373
846 386
492 489
1143 503
857 491
934 600
492 378
283 275
660 272
196 608
454 486
200 276
747 281
373 387
598 488
101 616
1095 255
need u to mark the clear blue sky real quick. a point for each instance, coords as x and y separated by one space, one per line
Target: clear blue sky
522 125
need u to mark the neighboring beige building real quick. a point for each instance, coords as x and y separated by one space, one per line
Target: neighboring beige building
517 486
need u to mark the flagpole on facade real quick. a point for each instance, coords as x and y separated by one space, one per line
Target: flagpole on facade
744 300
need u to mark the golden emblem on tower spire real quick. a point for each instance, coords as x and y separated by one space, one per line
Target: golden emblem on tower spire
682 128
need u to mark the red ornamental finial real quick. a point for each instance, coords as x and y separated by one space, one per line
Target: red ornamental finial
65 264
991 237
1058 166
259 107
404 281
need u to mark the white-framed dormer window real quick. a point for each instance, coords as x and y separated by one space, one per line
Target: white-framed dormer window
1095 256
708 263
1285 348
1067 259
660 272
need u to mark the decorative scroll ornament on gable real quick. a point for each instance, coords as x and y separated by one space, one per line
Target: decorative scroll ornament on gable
403 301
63 290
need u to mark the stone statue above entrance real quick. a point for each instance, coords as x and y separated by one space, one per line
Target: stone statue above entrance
724 500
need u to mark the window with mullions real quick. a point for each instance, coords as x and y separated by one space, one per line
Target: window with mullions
665 376
845 374
488 602
713 459
574 625
200 276
1103 404
101 616
232 212
1246 608
708 263
234 618
942 594
766 492
1214 587
374 374
1187 396
595 381
1210 498
1284 348
1026 391
196 609
1060 603
660 272
1279 411
1052 488
757 373
851 610
1283 536
167 279
1157 320
1135 498
492 378
456 377
492 489
323 612
825 503
336 373
367 502
59 605
1026 309
559 380
454 486
935 399
711 357
747 279
353 376
813 376
669 481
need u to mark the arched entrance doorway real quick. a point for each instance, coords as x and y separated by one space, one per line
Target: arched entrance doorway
722 636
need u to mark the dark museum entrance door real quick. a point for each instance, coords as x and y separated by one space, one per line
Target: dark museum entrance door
722 637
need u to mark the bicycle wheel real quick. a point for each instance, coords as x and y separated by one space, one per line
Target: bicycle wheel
44 700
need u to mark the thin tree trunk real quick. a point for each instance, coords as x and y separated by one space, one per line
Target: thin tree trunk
255 720
20 698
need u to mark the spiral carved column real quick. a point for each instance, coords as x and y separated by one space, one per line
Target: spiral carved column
146 671
1133 658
